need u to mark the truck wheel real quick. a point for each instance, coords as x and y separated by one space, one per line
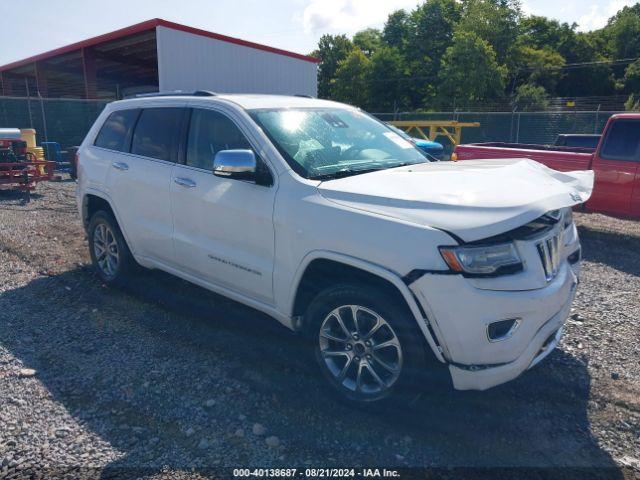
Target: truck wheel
110 254
366 343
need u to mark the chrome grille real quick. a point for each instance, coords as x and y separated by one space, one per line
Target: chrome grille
549 251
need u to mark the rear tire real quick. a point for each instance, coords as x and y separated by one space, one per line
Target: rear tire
110 254
378 358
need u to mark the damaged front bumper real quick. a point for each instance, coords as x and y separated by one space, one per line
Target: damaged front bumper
542 344
459 314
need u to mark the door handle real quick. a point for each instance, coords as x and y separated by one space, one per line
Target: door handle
121 166
185 182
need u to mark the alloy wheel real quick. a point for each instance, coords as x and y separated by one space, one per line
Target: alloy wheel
105 249
360 350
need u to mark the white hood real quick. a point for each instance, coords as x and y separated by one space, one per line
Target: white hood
473 199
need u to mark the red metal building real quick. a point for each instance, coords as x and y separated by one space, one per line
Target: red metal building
159 55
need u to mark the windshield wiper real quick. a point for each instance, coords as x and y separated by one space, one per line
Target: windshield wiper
405 164
344 172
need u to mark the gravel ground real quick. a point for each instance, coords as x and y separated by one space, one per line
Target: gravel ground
165 377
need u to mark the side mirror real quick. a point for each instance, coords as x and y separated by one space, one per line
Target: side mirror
240 164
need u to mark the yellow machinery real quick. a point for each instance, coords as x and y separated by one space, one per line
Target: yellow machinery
437 128
29 135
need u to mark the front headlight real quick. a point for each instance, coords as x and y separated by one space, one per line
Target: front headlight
483 260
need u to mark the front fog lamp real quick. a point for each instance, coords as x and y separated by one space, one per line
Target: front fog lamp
502 329
483 260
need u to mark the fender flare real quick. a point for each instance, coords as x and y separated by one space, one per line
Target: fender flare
373 269
104 196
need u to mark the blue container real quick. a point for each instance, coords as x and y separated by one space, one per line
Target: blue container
434 149
52 152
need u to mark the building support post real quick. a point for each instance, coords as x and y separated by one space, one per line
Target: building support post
90 74
26 87
42 86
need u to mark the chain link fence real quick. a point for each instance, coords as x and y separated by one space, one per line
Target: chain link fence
67 121
519 127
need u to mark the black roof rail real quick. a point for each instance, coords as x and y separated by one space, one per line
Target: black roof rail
302 95
175 93
204 93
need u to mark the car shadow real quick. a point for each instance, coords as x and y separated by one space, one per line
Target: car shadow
616 250
169 374
13 195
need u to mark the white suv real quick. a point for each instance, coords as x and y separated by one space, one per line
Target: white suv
329 221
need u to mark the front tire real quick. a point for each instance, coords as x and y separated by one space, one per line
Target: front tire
366 343
110 254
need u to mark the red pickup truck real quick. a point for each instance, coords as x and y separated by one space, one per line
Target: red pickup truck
615 161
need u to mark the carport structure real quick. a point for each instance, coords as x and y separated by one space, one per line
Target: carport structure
102 67
158 55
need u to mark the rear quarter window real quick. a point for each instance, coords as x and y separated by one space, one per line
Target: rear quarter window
115 134
622 141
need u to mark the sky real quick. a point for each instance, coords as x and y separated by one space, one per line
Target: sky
41 25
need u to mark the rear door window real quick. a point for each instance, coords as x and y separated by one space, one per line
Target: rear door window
623 141
157 133
115 134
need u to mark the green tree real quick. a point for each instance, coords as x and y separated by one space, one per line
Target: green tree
396 30
541 66
432 25
332 49
623 33
531 98
632 78
495 21
351 82
592 79
368 40
620 39
470 71
418 59
431 28
387 80
541 33
633 103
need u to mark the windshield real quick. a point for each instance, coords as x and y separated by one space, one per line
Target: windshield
326 143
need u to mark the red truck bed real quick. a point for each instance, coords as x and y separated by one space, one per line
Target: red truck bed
616 163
